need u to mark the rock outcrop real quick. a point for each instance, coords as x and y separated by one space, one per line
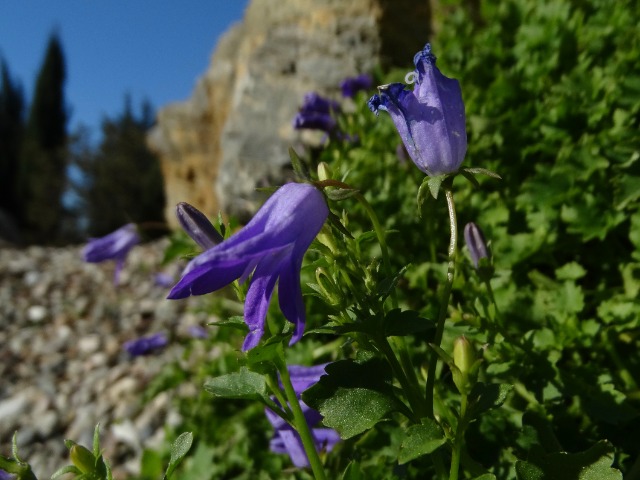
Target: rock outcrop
232 135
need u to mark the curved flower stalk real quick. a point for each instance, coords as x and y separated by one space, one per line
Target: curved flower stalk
285 439
430 119
271 246
115 246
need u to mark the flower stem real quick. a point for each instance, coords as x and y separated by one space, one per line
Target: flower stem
413 387
444 303
301 426
459 440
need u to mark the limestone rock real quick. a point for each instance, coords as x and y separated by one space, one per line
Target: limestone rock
232 135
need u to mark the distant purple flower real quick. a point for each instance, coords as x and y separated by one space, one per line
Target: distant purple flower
146 345
271 245
162 279
197 226
477 245
115 246
430 119
352 85
197 331
6 475
286 439
316 113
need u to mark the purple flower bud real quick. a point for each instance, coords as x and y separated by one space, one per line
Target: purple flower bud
197 226
146 345
430 118
285 439
115 246
476 243
352 85
271 246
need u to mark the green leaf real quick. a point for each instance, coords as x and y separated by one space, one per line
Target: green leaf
482 171
421 440
353 397
179 449
484 397
298 166
353 472
244 385
593 464
434 184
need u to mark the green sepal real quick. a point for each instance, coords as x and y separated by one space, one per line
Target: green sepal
421 440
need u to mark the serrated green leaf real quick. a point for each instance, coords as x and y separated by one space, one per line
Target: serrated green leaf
421 440
408 322
244 384
484 397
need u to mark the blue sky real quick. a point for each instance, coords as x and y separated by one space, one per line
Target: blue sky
153 49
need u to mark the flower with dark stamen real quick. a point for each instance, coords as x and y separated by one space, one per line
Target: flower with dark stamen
197 226
430 118
271 246
115 246
285 439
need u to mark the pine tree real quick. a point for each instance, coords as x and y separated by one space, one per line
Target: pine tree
11 130
43 157
123 182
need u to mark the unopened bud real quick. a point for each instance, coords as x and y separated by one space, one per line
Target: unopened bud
82 458
466 363
324 171
197 226
477 245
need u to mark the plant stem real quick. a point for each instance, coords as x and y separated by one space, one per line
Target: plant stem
413 386
459 440
301 426
444 303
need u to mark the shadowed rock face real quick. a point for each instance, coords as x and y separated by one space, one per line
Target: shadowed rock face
232 135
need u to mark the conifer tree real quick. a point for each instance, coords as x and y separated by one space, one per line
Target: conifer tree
11 129
43 158
123 182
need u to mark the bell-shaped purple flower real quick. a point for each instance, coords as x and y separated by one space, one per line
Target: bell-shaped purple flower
115 246
430 119
352 85
316 113
146 345
285 439
271 246
197 226
477 245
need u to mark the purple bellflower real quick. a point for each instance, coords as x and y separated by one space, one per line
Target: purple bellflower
115 246
477 245
352 85
146 345
430 119
271 246
316 113
197 226
285 439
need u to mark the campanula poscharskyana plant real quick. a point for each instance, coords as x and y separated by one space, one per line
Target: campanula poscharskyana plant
271 246
316 113
477 245
285 439
115 246
430 118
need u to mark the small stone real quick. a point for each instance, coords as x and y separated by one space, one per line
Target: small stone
36 313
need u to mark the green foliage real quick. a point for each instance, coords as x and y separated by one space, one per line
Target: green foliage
42 172
11 131
122 181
